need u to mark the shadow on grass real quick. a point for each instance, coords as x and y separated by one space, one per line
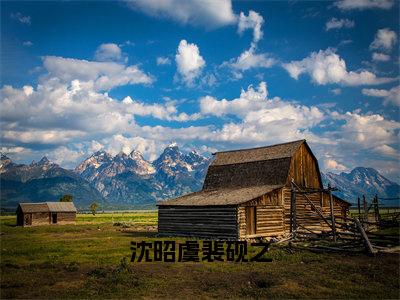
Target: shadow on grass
139 233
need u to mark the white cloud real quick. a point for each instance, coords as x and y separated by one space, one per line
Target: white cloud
249 59
385 39
102 75
263 120
167 112
327 67
386 150
58 112
163 61
366 131
338 23
27 44
364 4
336 91
253 21
21 18
189 61
333 165
108 52
380 57
207 13
391 96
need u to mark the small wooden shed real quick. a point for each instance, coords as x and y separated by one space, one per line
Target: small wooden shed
249 193
45 213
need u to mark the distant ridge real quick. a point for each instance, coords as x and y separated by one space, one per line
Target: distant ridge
130 181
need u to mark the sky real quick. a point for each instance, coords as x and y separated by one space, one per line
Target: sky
211 75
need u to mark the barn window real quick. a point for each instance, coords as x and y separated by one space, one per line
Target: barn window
251 220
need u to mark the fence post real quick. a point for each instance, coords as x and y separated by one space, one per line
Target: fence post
359 206
293 225
377 215
332 213
364 236
365 209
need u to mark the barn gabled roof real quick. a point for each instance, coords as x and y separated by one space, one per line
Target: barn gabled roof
47 207
284 150
239 176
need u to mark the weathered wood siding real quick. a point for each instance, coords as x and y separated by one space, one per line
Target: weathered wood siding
45 218
40 218
66 217
198 221
304 214
269 216
304 169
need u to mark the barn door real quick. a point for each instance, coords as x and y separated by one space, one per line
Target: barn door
251 220
54 218
28 219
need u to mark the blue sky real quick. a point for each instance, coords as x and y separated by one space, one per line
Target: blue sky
211 75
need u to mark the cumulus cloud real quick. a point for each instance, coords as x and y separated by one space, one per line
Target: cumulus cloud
386 150
364 4
108 52
380 57
385 39
250 59
26 20
338 23
327 67
189 61
253 21
207 13
27 44
262 119
102 75
333 165
56 112
368 131
391 96
163 61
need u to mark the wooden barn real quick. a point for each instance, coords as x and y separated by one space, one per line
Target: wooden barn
260 192
45 213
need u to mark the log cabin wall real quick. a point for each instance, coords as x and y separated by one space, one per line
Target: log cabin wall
198 221
304 169
66 217
304 214
40 218
269 216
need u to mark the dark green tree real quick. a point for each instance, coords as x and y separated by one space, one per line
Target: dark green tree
67 198
93 208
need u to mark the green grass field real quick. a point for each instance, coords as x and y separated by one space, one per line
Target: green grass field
91 260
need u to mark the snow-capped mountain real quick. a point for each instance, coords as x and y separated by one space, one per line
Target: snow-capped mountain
131 179
361 181
41 181
179 173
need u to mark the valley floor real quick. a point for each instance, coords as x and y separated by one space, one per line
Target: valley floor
91 260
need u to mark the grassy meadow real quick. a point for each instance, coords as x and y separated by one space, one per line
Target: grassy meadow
92 260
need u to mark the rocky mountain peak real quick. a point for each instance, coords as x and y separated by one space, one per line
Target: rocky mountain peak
361 181
5 162
43 161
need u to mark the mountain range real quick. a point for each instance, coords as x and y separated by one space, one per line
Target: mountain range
130 181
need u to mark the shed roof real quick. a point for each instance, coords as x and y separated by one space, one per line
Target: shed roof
34 207
47 207
61 206
227 196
